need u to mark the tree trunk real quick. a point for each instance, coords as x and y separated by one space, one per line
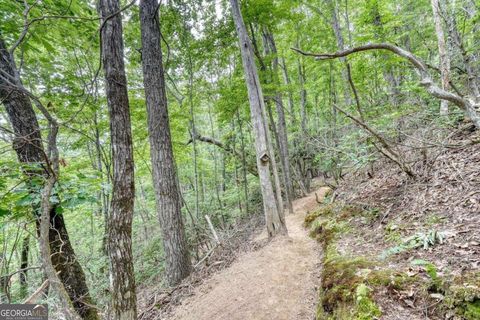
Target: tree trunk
467 57
303 96
24 266
244 163
122 205
274 217
340 45
286 80
29 148
177 258
281 126
443 54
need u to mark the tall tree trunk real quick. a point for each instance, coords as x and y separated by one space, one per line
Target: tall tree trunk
281 126
303 96
337 30
29 148
286 80
244 162
443 54
123 194
467 57
169 204
274 216
193 128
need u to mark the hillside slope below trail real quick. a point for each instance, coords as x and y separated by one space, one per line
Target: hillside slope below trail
278 281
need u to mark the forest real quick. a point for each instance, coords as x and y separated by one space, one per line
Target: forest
240 159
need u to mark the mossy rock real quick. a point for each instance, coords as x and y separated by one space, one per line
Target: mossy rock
323 230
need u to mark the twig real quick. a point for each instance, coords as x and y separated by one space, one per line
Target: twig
37 292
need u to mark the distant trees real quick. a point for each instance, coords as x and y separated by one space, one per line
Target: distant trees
119 240
167 195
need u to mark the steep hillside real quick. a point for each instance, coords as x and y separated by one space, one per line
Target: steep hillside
411 245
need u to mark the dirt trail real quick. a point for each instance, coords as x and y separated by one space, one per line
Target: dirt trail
277 281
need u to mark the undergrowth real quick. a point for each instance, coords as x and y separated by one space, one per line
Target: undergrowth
348 282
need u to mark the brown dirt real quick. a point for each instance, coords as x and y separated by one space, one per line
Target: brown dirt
278 281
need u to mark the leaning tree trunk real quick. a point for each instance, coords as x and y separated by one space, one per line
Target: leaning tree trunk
169 204
443 54
119 243
274 215
29 148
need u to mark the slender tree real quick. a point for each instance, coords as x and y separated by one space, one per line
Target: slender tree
274 214
177 263
119 239
443 54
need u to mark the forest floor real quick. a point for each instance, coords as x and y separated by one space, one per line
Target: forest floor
277 281
387 247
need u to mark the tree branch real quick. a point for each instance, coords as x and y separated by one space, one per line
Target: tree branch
199 137
467 105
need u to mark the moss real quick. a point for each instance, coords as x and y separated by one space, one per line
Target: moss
344 293
340 277
472 310
366 307
390 279
324 211
463 295
349 211
325 230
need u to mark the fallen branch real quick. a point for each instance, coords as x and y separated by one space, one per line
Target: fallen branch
385 148
33 297
205 257
212 229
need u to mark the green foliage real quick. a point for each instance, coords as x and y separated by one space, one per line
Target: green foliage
366 308
425 240
59 62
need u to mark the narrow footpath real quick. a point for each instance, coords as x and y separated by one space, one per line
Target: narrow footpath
278 281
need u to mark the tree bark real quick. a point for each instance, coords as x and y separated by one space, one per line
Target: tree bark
337 30
29 148
274 217
468 58
123 194
281 123
24 265
443 54
286 80
177 258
